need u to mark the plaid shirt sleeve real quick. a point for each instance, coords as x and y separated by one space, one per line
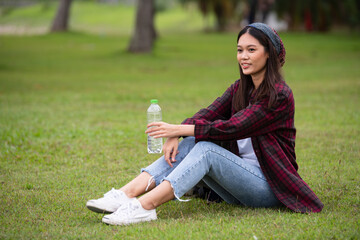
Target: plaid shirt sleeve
256 119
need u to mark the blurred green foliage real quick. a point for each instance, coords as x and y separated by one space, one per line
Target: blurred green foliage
314 15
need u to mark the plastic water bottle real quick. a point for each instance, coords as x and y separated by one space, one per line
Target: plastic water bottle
154 145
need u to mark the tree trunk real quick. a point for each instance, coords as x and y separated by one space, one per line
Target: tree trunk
144 34
60 23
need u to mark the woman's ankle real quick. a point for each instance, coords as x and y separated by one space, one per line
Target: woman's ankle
147 205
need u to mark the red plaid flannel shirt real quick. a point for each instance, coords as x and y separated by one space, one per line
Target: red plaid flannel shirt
272 133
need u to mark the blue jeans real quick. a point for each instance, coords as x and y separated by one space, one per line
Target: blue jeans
232 178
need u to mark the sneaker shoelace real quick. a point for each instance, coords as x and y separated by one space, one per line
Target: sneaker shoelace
126 210
112 194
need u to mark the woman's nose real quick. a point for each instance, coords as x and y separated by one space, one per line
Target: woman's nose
244 55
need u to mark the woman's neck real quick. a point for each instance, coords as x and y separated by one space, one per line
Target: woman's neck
257 81
258 78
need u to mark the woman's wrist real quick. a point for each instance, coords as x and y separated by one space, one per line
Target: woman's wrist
186 130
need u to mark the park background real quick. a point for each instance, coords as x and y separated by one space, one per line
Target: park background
73 113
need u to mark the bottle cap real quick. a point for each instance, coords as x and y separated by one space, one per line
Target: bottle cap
154 101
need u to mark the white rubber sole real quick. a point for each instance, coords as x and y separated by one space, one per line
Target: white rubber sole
127 222
98 209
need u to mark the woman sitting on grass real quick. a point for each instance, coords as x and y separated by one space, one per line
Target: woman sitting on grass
242 145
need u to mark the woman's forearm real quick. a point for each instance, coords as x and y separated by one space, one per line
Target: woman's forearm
186 130
165 130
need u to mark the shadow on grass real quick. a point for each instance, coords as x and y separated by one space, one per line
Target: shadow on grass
200 209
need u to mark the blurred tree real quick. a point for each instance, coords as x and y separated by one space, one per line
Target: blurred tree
319 15
351 11
313 15
223 10
144 34
60 23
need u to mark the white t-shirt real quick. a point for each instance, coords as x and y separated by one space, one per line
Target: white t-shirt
246 151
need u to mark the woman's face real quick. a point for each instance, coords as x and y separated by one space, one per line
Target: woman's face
252 57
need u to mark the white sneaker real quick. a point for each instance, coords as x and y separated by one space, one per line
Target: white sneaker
111 201
129 213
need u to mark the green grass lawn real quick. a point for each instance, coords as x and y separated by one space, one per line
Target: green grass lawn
73 115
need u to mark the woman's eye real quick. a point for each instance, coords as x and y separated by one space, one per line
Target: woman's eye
239 50
252 50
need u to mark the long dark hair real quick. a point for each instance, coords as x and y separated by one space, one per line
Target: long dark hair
272 74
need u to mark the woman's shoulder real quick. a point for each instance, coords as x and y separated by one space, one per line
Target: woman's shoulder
234 87
236 84
283 89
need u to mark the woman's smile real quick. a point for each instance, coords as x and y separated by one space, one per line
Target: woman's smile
245 65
